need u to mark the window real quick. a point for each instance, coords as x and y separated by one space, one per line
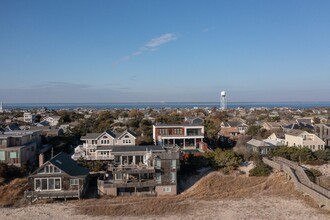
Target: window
2 155
177 131
173 177
158 163
47 184
138 159
118 176
117 159
49 169
162 131
158 178
74 182
173 164
167 189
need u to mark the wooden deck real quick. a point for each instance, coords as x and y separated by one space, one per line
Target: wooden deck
33 196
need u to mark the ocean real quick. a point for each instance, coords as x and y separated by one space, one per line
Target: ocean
157 105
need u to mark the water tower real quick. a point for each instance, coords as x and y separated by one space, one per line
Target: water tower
223 100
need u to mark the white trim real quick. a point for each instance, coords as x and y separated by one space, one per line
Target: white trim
47 178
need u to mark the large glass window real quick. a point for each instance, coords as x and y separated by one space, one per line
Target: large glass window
13 155
158 163
43 184
173 177
130 159
173 164
158 178
117 159
2 155
193 131
51 184
138 159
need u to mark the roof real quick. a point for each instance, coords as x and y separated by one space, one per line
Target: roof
119 149
234 124
118 135
67 165
177 125
263 143
304 120
91 136
18 133
109 132
294 132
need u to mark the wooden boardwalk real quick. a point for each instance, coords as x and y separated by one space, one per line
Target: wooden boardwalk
296 173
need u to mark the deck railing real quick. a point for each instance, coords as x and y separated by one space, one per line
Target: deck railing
302 182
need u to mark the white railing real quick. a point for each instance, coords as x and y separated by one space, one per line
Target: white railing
89 146
99 157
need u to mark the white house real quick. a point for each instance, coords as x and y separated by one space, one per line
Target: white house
98 146
52 120
29 117
299 138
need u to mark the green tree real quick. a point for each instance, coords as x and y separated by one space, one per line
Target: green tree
253 130
226 159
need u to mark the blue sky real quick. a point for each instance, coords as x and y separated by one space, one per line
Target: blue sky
152 50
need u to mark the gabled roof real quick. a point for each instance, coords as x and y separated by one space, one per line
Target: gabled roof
67 165
119 135
234 124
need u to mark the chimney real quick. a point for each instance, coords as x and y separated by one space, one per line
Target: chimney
41 159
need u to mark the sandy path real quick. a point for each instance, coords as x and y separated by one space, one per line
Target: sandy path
252 208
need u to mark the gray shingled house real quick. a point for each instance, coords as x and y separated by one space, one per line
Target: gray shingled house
60 177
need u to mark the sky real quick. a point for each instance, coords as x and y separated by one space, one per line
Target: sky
174 51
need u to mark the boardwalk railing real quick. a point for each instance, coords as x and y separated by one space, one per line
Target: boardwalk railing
301 180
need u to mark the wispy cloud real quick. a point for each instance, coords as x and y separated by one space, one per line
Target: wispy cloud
208 29
156 42
150 46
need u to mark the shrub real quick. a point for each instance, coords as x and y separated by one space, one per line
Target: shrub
9 172
312 174
227 159
323 154
260 169
303 154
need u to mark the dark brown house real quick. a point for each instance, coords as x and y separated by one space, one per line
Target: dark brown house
60 177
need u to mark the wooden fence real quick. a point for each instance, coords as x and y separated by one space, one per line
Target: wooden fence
300 179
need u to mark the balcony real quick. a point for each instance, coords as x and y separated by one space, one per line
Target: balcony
89 146
126 184
99 157
131 168
76 156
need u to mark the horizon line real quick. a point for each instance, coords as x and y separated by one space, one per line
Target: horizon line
162 102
